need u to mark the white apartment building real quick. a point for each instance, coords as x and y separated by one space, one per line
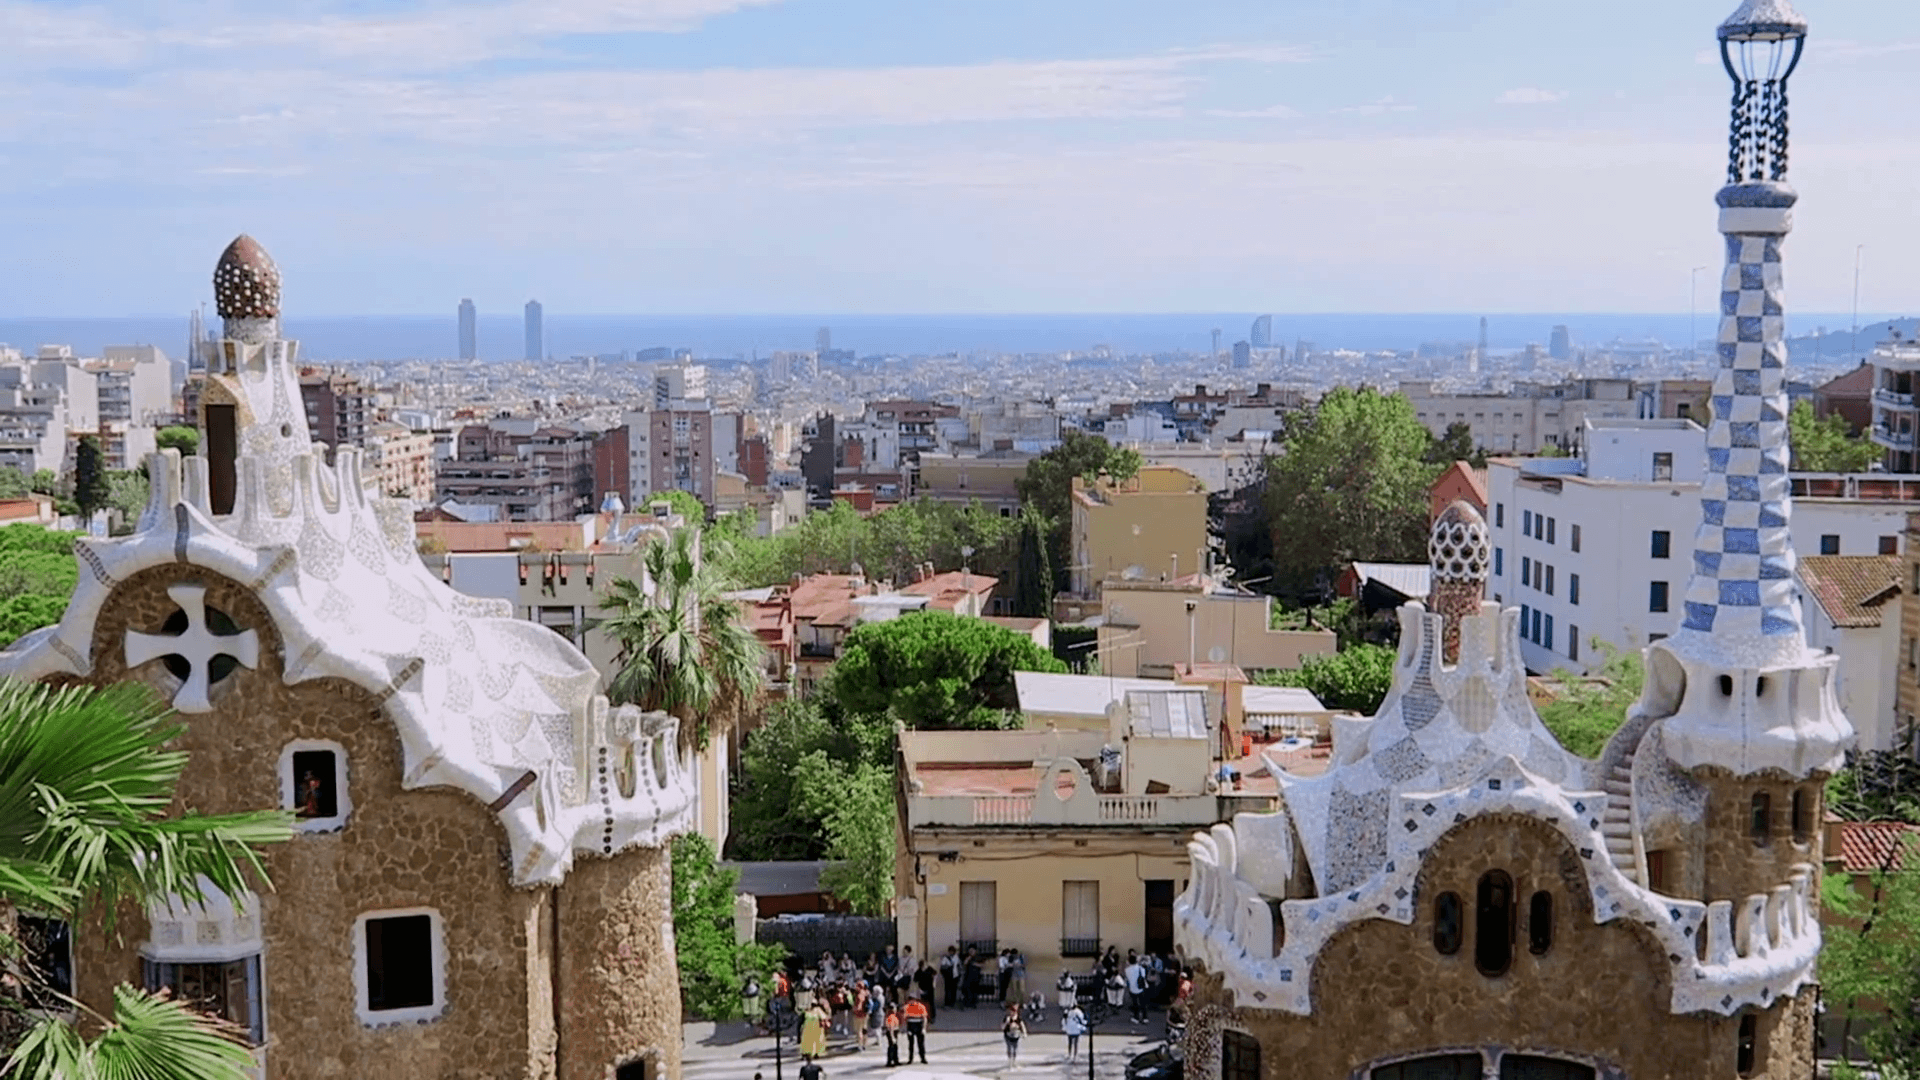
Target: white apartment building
678 382
1530 418
1598 546
1896 419
400 461
135 385
1220 466
42 399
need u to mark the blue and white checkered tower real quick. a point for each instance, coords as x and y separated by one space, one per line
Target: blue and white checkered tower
1742 635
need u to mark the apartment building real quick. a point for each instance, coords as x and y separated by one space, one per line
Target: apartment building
1530 418
1625 513
1152 627
991 479
1226 465
541 475
135 385
1851 606
400 461
1896 418
1152 524
338 408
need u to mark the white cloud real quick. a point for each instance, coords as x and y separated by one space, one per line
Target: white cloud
1530 95
1384 105
1271 112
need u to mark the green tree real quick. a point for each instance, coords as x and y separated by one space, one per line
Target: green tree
1827 445
798 750
858 816
91 489
684 647
713 967
1351 485
1033 571
935 671
1870 958
1048 487
1584 713
184 439
13 483
683 504
1356 678
127 493
37 575
86 782
1456 445
44 482
886 546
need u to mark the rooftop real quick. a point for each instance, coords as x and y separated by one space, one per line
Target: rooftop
1077 695
1866 846
1851 589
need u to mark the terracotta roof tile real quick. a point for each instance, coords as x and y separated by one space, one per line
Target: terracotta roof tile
1851 589
1866 845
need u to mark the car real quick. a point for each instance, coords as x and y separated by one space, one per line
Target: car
1165 1062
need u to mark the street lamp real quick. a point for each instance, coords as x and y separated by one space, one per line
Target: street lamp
1693 317
781 1016
1096 1014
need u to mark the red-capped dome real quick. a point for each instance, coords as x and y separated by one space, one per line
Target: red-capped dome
246 284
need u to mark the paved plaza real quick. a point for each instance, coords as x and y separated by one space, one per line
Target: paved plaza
963 1046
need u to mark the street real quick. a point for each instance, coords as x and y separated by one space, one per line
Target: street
729 1054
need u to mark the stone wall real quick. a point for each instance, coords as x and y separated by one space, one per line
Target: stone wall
618 984
1599 994
435 848
1737 865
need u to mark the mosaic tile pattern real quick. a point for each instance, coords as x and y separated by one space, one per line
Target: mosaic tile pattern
1742 583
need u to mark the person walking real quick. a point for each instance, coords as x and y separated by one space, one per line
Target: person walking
1136 976
950 976
916 1017
1013 1029
811 1070
892 1032
877 1006
813 1031
1074 1023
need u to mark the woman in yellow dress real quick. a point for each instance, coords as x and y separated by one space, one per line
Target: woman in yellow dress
813 1031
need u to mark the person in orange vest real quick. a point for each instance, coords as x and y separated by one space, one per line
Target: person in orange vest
916 1013
892 1031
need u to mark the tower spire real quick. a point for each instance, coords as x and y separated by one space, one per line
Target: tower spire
1742 585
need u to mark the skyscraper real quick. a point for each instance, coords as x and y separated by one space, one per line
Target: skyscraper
823 340
1242 354
1560 345
1483 335
1262 335
536 331
1216 341
469 331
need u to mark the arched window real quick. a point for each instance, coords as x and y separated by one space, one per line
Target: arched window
1761 825
1746 1050
1239 1056
1540 923
1493 924
1447 924
1802 816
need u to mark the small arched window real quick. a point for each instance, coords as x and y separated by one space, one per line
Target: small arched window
1447 925
1746 1049
1540 923
1493 924
1802 816
1726 686
1761 825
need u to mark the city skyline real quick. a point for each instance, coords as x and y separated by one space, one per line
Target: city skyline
787 156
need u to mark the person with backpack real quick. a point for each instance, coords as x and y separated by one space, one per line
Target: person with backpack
916 1017
1013 1029
1074 1023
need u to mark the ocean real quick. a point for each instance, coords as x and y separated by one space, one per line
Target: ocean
336 339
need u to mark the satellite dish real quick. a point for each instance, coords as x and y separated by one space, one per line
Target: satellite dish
1217 655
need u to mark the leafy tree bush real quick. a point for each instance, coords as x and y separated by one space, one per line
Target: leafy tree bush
184 439
888 545
13 483
91 489
858 813
1870 958
1351 484
713 967
1048 488
37 575
1355 678
796 751
44 482
935 671
1585 713
684 504
1827 445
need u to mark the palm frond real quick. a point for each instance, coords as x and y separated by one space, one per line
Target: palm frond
147 1038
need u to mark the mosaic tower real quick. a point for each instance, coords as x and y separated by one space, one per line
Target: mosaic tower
1458 897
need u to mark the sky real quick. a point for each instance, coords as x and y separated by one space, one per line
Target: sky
907 156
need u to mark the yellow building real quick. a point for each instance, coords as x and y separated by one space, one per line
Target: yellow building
1153 625
1151 525
1032 840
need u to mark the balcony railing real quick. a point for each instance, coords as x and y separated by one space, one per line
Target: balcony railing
1902 440
1079 946
980 946
1021 810
1893 397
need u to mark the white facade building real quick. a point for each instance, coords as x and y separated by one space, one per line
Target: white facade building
1625 514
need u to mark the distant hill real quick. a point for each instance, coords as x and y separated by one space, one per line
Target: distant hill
1837 345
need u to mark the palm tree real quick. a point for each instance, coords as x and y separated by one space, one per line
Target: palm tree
684 647
86 782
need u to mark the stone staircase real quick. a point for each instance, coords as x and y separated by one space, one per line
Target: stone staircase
1616 826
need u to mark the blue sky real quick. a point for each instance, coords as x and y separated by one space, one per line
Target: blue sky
740 156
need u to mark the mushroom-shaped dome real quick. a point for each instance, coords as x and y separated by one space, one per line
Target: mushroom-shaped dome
1764 20
246 284
1458 545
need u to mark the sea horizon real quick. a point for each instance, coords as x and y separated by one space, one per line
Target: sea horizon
378 338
